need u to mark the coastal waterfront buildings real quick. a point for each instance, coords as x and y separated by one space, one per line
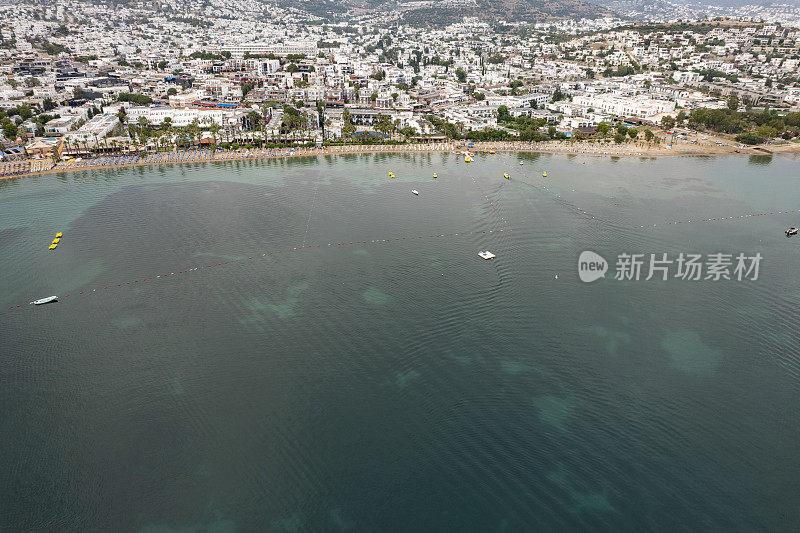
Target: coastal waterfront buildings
228 67
180 117
630 106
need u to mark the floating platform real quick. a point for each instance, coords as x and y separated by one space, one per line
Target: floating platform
486 254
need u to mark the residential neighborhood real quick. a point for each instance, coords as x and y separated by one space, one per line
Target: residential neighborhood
257 74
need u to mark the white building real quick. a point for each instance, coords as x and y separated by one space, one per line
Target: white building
309 48
635 106
98 127
60 126
184 117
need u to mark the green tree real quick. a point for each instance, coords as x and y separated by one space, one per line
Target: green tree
246 88
733 103
172 91
139 99
503 115
603 129
408 132
10 130
461 75
767 131
24 111
254 119
667 122
384 124
558 95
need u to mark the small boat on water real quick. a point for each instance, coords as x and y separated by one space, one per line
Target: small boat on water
467 159
544 174
521 163
506 176
435 176
486 254
47 300
791 231
58 235
56 240
415 191
53 246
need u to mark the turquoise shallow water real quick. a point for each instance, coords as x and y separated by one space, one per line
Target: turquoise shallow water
397 384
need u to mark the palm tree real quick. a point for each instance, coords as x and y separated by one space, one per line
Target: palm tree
214 130
194 130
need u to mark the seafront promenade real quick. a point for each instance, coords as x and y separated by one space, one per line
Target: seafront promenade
41 166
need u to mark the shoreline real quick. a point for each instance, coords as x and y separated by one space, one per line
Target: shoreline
551 147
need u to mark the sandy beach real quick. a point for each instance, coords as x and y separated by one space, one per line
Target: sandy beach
45 166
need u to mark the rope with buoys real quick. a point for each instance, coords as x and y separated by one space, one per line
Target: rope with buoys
170 275
716 219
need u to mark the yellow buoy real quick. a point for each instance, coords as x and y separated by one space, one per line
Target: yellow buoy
58 235
53 246
56 240
435 176
544 174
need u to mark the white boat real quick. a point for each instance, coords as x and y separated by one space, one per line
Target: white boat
415 191
486 254
45 300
